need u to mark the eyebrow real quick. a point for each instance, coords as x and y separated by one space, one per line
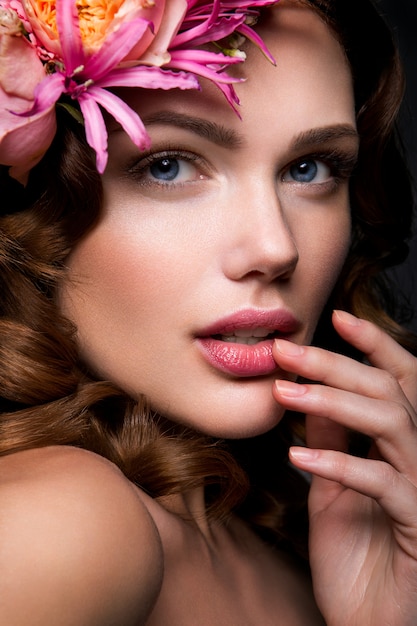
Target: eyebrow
229 138
216 133
316 136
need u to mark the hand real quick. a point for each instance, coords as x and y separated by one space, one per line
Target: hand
363 512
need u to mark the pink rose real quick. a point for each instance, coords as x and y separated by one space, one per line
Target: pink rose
166 17
23 140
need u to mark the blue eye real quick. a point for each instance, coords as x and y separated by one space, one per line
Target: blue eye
166 169
307 171
304 172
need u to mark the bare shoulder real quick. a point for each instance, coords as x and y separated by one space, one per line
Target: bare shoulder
77 544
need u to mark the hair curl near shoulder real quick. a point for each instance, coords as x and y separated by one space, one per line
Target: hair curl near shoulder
48 397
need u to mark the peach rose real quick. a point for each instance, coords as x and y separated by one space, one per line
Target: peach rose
99 18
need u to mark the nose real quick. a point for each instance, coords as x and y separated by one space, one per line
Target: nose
260 241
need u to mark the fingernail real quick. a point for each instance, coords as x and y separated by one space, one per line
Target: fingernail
290 389
288 347
303 454
347 318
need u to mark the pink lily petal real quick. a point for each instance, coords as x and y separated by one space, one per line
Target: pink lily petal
96 132
200 35
199 11
215 10
95 129
230 95
69 35
128 119
209 12
186 60
206 72
116 46
191 33
250 34
148 78
239 5
204 57
47 93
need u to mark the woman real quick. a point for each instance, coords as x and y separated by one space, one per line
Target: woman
193 274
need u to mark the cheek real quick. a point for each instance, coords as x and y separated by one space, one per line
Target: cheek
338 241
121 291
326 249
110 296
116 273
98 294
333 247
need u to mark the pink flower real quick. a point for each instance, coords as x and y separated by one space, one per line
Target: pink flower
166 18
85 74
86 61
23 140
69 50
98 19
207 22
213 21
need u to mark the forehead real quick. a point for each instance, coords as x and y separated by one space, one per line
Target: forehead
310 84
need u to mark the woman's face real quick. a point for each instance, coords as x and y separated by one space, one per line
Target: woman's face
228 232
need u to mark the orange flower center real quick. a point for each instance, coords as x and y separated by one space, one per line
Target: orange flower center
95 18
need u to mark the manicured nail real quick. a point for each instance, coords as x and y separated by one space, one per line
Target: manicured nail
288 347
303 454
347 318
290 389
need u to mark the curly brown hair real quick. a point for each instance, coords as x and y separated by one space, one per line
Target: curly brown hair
47 395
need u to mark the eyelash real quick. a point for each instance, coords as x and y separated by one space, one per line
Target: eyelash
139 169
340 163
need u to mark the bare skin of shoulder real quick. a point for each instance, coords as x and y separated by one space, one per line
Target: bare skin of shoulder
82 546
77 546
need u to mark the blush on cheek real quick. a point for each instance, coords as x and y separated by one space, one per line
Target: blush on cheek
328 265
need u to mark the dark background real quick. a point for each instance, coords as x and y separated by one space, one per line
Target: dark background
401 15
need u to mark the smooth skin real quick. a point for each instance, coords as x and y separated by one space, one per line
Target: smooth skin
78 547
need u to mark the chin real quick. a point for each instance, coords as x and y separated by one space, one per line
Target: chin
233 424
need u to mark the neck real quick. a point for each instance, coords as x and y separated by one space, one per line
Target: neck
190 506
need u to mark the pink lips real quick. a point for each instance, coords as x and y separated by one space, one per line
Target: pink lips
243 359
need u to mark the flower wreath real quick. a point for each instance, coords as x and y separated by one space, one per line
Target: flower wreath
73 51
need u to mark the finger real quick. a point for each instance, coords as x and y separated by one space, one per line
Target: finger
381 350
341 372
375 479
337 370
388 423
326 434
